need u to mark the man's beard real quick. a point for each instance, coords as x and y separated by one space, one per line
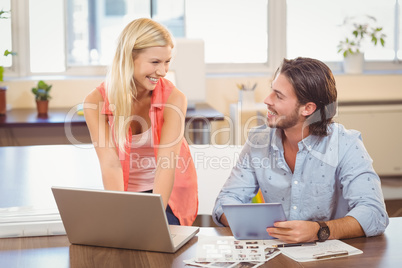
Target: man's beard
285 122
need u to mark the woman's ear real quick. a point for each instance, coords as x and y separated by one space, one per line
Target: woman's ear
309 108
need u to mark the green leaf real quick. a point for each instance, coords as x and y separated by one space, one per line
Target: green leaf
7 52
41 91
1 73
2 13
360 33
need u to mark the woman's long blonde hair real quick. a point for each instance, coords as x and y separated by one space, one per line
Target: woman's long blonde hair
137 35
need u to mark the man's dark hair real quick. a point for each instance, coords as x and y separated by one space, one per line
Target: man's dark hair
312 81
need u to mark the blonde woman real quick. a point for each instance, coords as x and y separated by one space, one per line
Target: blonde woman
136 121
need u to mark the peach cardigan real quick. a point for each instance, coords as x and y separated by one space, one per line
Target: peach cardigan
184 197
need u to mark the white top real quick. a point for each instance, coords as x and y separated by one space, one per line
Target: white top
142 163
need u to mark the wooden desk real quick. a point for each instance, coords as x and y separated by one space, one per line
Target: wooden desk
56 251
60 116
67 122
29 117
198 123
60 126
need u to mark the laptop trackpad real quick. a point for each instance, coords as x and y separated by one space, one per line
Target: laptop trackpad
181 234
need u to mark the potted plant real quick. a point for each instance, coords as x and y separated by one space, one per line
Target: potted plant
3 15
42 97
361 33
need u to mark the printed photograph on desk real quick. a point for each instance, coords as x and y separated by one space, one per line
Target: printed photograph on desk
195 263
228 249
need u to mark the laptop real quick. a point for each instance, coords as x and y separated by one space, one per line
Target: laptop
250 221
119 220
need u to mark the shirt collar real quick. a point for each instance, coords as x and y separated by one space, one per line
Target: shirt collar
307 143
277 140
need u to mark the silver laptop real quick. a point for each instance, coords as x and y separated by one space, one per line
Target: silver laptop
119 220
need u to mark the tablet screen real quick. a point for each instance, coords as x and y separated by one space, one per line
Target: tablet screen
250 221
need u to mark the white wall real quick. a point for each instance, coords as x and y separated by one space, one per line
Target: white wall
64 93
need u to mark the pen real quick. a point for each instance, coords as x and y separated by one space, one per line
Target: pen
294 245
331 254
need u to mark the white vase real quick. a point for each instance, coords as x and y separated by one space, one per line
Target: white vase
353 63
246 98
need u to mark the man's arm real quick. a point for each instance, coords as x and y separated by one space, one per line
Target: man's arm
347 227
306 231
224 220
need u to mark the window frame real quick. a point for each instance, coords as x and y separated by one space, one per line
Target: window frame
276 49
20 41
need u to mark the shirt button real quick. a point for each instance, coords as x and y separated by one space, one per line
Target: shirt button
296 182
294 207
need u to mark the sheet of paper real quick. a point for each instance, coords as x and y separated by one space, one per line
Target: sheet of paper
327 249
228 249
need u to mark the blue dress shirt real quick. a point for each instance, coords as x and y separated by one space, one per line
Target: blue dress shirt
333 177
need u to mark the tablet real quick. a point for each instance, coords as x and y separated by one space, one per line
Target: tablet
250 221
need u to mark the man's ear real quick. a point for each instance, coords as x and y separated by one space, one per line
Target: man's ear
309 108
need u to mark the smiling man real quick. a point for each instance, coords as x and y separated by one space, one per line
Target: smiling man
319 171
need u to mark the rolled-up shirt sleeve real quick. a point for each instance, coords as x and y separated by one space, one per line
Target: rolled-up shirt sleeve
361 188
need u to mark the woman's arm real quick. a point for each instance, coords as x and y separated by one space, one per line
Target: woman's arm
169 148
112 173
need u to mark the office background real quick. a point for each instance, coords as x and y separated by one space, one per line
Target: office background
39 43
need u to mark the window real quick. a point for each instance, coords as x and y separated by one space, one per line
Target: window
78 36
46 36
319 31
93 29
234 31
94 26
5 30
